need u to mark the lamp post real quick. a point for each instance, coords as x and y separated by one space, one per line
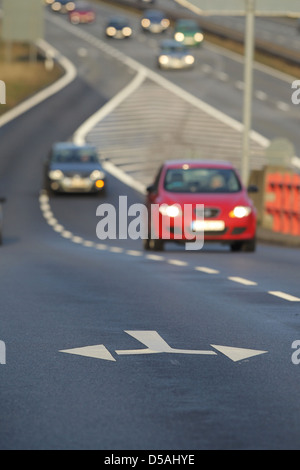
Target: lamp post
248 87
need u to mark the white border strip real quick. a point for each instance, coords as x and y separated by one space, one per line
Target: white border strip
69 76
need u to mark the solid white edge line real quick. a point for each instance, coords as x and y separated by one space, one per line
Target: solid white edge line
66 79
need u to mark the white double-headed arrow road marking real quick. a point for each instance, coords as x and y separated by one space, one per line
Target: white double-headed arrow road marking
155 344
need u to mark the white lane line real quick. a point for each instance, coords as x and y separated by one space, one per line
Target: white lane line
241 280
261 95
101 246
115 249
203 269
134 253
239 85
206 68
285 296
155 257
222 76
177 262
88 243
58 228
66 234
282 106
52 221
77 239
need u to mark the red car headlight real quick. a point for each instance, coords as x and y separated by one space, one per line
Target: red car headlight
170 211
239 212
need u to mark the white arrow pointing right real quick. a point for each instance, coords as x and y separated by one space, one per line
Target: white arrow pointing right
237 354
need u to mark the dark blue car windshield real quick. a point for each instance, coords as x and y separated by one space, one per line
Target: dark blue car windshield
74 156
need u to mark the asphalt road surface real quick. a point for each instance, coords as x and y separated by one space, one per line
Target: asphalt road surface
183 350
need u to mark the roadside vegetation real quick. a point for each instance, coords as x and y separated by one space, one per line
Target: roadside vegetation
23 76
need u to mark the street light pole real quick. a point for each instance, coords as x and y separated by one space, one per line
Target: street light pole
248 86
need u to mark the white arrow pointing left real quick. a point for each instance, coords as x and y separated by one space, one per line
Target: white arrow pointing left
98 351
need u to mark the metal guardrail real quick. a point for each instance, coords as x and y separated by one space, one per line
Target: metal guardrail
266 47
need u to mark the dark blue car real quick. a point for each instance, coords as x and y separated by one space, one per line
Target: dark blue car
72 168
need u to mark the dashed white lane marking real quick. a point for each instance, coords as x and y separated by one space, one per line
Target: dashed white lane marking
134 253
239 85
282 106
203 269
243 281
116 249
58 228
222 76
177 262
285 296
260 95
155 257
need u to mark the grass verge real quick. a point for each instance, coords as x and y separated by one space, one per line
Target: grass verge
23 77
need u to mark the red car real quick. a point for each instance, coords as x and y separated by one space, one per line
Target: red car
82 14
194 196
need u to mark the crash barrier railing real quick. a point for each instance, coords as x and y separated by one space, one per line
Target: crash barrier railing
282 202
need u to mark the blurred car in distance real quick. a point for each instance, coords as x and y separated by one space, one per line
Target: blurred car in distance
83 13
2 200
154 21
174 55
229 213
63 6
118 27
188 32
72 168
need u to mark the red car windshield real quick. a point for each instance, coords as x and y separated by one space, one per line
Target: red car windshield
201 180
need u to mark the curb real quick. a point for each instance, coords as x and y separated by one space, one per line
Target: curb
275 238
